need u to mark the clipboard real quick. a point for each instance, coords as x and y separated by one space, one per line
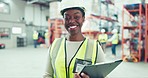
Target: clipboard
100 70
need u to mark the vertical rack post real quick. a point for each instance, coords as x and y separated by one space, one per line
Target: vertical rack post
146 33
139 25
122 32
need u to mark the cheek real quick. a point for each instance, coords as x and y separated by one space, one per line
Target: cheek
65 22
82 20
65 25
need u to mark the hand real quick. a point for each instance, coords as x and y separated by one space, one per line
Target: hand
76 75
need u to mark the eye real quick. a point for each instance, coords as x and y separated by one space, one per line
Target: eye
77 17
66 17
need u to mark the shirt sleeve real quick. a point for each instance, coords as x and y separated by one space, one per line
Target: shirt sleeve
101 55
48 69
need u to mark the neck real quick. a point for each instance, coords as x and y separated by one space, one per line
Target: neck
76 38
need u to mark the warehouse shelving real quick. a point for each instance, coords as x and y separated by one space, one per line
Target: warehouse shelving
104 18
55 28
146 33
107 17
135 28
58 31
94 34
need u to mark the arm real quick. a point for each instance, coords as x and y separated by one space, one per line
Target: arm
49 69
112 38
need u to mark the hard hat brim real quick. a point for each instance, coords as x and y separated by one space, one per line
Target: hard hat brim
82 9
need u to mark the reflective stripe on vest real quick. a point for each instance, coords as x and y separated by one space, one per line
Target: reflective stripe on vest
59 58
115 41
102 38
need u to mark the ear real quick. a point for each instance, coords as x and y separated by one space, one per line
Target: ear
83 19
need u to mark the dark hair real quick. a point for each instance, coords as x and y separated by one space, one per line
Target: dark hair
82 9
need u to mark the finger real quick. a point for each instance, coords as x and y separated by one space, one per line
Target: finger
84 75
76 75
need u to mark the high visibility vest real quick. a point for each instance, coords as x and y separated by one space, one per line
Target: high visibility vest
46 35
35 36
87 51
116 40
102 38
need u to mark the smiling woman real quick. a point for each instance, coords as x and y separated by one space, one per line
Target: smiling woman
64 51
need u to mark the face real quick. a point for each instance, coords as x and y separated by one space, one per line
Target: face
73 21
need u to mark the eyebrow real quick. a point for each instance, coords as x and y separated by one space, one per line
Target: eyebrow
77 13
74 13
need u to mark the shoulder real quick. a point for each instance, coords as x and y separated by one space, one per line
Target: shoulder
56 41
92 41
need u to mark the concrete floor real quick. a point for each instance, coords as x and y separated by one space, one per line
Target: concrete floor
29 62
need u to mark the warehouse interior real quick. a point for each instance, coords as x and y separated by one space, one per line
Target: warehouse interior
20 18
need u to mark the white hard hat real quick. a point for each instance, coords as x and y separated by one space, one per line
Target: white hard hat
72 4
46 30
35 31
114 31
102 30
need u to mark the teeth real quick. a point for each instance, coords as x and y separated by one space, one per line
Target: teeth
72 26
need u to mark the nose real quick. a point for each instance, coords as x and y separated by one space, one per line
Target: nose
71 20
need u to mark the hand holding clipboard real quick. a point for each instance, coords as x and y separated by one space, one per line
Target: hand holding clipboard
99 70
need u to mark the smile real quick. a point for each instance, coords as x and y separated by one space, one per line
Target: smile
72 27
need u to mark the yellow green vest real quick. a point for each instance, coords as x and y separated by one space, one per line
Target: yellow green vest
46 35
115 41
102 38
35 36
87 51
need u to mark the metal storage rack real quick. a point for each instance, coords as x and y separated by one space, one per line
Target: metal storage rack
55 28
146 33
94 34
135 28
